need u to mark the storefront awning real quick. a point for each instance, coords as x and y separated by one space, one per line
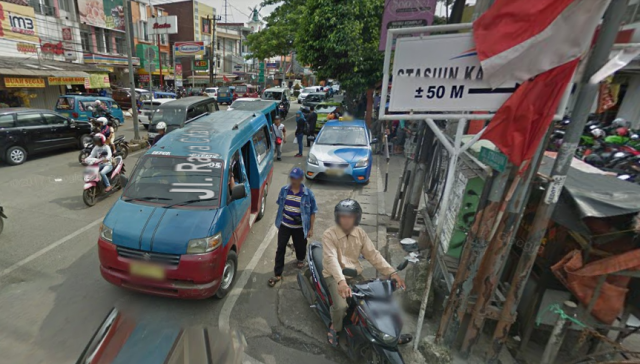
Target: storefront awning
35 67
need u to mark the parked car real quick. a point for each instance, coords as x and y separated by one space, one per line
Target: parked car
123 96
179 112
342 151
211 92
305 92
77 107
164 95
148 106
279 94
314 99
31 131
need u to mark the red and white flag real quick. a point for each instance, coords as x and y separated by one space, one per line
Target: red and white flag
225 79
539 43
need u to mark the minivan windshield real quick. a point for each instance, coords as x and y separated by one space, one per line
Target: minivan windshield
164 180
342 135
241 89
272 95
65 103
315 98
170 115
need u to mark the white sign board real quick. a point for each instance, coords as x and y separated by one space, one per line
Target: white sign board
163 25
442 73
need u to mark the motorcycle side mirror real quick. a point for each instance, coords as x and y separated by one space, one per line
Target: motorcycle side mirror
402 265
350 272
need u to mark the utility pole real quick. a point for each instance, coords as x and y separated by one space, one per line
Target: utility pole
211 49
128 26
588 92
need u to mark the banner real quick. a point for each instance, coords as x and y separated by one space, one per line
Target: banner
20 82
185 49
18 23
97 80
107 14
201 65
405 14
61 81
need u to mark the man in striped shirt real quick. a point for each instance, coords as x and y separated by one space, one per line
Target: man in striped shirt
296 215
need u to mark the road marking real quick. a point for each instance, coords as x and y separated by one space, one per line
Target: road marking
230 302
48 248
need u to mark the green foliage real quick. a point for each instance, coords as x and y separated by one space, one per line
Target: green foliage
278 37
340 38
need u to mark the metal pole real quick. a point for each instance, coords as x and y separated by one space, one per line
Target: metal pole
410 211
558 334
453 162
600 55
128 25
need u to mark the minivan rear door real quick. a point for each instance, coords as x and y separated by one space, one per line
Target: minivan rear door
61 130
36 134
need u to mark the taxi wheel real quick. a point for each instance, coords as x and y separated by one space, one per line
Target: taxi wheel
228 275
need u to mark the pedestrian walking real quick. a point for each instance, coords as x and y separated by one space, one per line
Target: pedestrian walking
281 136
312 119
301 126
295 219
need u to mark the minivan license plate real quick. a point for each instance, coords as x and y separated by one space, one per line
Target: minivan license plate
146 270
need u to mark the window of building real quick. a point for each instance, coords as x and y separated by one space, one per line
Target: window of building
108 41
164 59
143 11
44 7
163 39
143 34
218 45
100 43
121 46
205 26
65 5
87 41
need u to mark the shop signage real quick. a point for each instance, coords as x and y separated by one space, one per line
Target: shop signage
163 25
405 14
67 42
60 81
272 65
52 48
143 78
442 73
19 82
201 65
97 80
18 23
493 159
102 13
185 49
103 59
26 48
178 74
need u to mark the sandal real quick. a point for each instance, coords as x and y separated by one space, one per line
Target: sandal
274 280
332 337
405 339
300 264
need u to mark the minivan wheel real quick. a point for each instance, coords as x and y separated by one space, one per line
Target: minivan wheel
263 203
16 155
228 274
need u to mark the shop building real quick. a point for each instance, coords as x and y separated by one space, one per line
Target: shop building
229 50
147 20
58 30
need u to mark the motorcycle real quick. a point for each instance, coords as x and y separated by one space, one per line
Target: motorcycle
282 110
372 324
122 149
93 185
2 217
107 114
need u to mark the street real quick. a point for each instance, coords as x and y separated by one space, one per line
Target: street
54 298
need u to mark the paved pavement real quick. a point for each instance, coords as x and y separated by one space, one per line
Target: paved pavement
53 296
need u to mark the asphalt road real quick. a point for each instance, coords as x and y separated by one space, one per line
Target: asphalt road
51 292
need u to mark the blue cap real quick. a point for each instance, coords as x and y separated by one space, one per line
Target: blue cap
296 173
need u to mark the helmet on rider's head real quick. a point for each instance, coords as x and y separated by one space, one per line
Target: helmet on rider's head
161 126
102 120
99 139
598 133
619 123
348 207
622 131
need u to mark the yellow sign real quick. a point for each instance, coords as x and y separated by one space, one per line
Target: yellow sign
18 23
61 81
24 82
26 48
97 80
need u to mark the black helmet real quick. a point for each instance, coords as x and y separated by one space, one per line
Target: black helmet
348 206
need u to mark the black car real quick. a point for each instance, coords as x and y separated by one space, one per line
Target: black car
314 99
31 131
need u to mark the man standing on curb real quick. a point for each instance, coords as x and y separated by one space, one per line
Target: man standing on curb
295 219
281 136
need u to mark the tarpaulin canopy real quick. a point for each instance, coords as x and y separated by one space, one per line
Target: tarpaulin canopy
594 194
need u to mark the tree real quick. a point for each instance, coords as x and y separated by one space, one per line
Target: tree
278 37
340 39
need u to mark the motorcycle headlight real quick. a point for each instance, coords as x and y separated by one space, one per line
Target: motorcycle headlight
375 332
362 163
106 233
312 159
204 245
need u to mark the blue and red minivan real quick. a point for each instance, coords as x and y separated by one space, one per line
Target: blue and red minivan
188 208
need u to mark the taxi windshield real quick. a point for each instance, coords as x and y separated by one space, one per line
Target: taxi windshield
171 180
325 109
169 115
342 135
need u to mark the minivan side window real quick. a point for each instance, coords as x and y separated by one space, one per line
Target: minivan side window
261 143
29 120
6 121
53 119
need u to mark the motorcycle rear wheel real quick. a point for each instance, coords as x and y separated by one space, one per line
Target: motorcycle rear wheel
306 287
90 196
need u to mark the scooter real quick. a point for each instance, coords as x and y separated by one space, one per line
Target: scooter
122 149
94 187
282 110
372 325
2 217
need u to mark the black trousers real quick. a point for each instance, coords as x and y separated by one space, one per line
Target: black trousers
299 244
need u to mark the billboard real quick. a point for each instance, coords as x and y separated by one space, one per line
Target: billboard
107 14
18 23
186 49
405 14
163 25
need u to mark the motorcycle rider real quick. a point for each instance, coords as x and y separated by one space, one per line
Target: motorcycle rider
103 152
342 246
162 129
